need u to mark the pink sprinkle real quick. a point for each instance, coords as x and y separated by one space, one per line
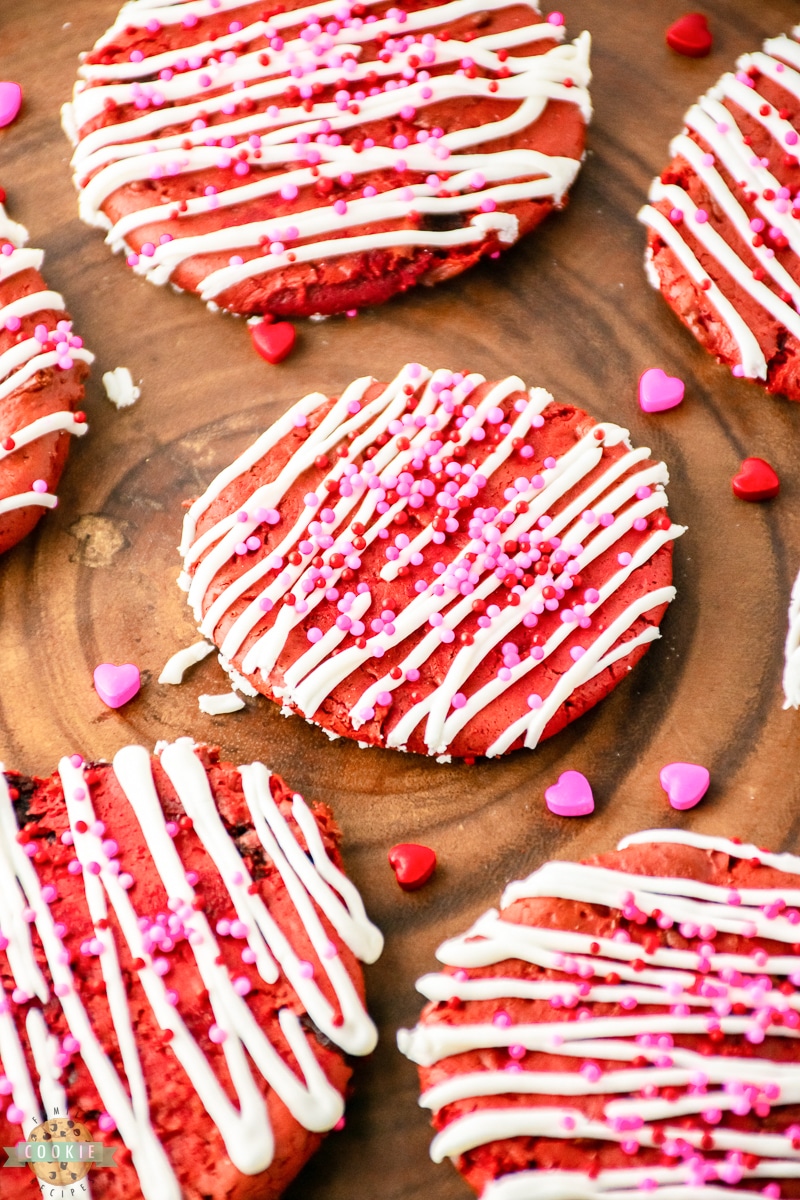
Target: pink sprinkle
791 138
241 985
577 652
106 1122
459 700
39 485
306 970
339 1126
624 559
555 18
701 216
217 1034
314 635
15 1114
516 1051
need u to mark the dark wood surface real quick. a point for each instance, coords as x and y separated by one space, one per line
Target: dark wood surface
571 310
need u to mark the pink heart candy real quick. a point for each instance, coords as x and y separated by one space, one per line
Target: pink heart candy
10 102
571 796
684 783
658 391
116 685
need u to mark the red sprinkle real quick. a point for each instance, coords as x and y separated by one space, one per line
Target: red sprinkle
690 36
412 864
273 342
756 481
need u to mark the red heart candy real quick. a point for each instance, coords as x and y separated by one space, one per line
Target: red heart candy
273 342
412 864
756 480
690 35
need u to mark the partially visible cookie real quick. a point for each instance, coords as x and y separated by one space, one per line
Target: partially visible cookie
723 237
296 160
42 368
623 1026
439 564
179 968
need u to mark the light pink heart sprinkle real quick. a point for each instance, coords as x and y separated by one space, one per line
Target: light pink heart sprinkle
571 796
659 391
684 783
116 685
10 101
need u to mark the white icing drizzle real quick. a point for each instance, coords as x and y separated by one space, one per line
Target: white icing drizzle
791 668
120 388
314 887
712 139
176 667
218 705
697 991
22 361
176 92
626 490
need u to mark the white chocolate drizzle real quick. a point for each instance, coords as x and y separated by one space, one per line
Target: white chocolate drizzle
314 886
698 991
190 110
21 362
746 206
407 451
791 666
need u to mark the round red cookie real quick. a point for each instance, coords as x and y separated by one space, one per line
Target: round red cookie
723 241
275 161
438 564
42 369
624 1025
195 947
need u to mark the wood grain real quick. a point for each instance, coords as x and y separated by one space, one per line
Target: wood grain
570 310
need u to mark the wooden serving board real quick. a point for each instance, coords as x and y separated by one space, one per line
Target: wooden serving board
569 309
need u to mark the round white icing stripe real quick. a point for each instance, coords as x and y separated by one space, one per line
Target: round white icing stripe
314 885
626 490
22 361
791 668
722 144
694 1001
113 156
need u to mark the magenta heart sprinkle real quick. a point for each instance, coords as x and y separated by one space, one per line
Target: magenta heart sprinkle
116 685
685 783
571 796
658 391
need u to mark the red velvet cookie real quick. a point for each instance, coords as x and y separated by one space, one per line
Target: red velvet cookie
723 235
178 970
626 1025
42 369
438 564
278 159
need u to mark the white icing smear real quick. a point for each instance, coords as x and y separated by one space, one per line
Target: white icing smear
386 453
316 893
649 1079
215 706
791 668
120 388
176 667
741 186
193 109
